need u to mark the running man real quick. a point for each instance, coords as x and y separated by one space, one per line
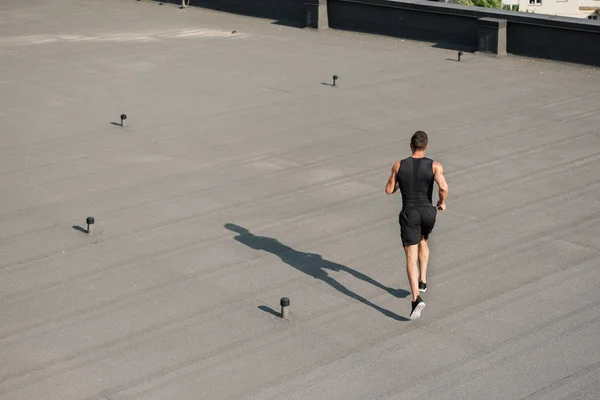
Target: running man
414 176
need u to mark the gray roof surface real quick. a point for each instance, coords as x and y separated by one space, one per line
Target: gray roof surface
230 133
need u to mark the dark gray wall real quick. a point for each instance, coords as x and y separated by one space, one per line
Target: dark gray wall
286 11
458 30
554 43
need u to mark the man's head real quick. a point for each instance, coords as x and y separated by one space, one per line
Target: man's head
419 141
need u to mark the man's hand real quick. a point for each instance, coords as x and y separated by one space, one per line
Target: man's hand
441 206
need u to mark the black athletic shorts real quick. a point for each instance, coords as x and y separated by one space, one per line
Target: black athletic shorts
416 223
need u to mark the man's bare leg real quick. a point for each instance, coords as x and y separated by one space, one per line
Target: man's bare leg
412 269
423 259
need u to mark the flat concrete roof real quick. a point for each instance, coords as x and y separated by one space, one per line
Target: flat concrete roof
228 133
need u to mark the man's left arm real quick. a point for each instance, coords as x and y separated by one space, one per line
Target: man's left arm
392 184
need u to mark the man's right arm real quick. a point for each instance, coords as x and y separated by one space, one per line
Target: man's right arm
440 179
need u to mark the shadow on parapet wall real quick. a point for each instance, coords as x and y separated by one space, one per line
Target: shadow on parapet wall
443 31
283 12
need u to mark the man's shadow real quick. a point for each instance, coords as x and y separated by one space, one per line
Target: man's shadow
315 266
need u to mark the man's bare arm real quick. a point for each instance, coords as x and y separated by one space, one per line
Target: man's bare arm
392 185
440 179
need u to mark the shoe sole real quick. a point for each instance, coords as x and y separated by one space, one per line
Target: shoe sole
422 290
417 312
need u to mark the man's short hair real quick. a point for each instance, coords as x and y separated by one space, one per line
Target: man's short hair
419 140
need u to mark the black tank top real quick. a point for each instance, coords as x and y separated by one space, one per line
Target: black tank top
415 180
